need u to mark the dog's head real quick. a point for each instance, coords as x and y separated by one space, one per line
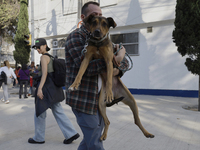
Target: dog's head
99 26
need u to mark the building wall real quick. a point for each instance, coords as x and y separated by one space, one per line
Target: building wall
157 67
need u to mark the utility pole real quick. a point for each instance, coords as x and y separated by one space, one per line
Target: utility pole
32 31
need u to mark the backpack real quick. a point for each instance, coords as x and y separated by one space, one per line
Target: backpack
59 74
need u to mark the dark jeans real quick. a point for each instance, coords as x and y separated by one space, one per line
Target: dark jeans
25 83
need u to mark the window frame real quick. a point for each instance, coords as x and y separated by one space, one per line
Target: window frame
133 43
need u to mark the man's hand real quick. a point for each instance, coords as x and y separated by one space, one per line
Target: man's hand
115 71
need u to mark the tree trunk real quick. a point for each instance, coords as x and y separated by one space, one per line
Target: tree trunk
199 95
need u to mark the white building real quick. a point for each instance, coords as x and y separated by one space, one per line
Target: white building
145 28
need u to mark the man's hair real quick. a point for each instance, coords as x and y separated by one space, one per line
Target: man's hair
84 9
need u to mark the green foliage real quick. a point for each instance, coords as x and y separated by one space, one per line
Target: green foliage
186 34
9 10
22 51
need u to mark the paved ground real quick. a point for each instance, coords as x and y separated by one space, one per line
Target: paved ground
174 127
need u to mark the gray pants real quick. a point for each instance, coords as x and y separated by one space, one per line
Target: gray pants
5 91
25 83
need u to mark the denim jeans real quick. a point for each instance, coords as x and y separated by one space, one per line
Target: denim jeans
91 126
64 123
5 91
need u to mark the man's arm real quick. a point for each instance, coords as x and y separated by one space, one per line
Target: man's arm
124 64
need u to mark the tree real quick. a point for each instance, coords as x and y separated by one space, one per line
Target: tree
186 34
9 10
22 50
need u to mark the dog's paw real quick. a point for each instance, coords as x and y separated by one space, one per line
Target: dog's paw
71 88
109 97
149 135
74 87
103 137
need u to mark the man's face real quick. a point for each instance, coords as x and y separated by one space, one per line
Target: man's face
92 9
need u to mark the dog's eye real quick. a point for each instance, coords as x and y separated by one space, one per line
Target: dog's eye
94 23
104 24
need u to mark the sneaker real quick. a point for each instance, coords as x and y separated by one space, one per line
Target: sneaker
32 141
2 100
70 140
7 102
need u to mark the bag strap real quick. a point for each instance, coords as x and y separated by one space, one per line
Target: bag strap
48 55
25 73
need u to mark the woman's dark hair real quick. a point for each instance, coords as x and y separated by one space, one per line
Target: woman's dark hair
84 9
24 67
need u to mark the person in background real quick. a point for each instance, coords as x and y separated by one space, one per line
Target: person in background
36 69
84 101
32 70
32 67
49 96
16 73
24 79
32 89
10 74
31 86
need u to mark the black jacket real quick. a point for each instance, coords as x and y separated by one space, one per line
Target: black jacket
52 94
3 78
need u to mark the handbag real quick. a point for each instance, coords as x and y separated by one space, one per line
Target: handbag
1 78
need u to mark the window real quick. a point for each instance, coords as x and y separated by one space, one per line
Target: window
129 41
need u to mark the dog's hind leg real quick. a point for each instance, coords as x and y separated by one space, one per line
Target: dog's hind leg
130 101
102 109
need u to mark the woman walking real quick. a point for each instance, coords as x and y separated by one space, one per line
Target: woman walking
24 79
49 96
10 74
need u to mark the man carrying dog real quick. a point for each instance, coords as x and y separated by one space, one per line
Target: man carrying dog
84 101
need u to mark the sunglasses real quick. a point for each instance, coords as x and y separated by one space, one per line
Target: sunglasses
37 47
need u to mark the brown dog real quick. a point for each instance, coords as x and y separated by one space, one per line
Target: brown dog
100 46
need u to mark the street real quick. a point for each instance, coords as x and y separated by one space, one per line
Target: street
174 127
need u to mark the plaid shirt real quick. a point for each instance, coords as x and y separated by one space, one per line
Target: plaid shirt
85 99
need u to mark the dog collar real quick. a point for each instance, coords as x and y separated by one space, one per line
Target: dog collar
98 41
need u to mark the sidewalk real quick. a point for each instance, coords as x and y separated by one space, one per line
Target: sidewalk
174 127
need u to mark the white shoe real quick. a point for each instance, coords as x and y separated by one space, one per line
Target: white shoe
7 102
2 100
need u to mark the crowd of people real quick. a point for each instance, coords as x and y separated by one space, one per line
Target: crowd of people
21 77
84 101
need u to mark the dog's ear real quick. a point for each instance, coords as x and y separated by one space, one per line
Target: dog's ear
88 19
111 22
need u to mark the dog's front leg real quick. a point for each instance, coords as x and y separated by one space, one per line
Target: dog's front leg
83 67
109 64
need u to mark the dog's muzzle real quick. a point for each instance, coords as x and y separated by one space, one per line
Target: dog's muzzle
97 33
